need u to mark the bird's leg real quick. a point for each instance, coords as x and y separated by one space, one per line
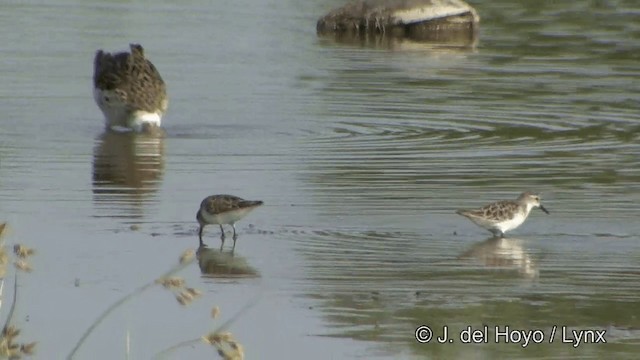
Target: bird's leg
200 235
222 237
235 236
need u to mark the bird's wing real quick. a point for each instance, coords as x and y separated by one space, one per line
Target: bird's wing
221 203
500 210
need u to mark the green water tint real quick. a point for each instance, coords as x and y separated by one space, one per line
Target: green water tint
383 291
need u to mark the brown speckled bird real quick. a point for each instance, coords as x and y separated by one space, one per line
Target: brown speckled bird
129 90
502 216
223 209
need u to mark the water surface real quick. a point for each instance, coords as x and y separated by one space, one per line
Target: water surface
361 152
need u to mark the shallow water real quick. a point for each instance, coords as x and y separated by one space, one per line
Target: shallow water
361 153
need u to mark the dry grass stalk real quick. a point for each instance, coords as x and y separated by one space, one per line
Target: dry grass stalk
185 260
215 312
4 257
3 229
9 347
171 282
22 251
222 340
194 292
22 265
187 256
183 294
225 344
28 348
10 332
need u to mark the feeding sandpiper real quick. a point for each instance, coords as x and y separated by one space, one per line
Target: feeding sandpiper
502 216
129 90
223 209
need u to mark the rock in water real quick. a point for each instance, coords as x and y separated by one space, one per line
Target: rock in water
427 20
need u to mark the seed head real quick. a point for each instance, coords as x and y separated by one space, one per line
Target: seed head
22 251
171 282
215 312
23 265
28 349
194 292
186 256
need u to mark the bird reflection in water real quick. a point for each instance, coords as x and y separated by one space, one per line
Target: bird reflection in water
127 167
224 264
503 253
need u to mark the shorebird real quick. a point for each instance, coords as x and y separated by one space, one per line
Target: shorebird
223 209
129 90
502 216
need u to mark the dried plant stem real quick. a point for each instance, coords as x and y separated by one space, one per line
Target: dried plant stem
1 290
220 328
175 347
13 303
118 303
127 351
237 315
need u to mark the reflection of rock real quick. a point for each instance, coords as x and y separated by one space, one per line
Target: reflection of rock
375 41
425 20
218 263
127 164
503 253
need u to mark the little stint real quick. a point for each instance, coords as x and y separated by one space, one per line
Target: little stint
223 209
502 216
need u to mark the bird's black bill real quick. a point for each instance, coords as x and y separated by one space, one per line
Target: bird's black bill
543 209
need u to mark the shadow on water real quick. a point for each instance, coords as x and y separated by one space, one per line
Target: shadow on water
127 168
224 264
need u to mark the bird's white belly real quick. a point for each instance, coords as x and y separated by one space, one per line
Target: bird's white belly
143 117
228 217
511 224
118 116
